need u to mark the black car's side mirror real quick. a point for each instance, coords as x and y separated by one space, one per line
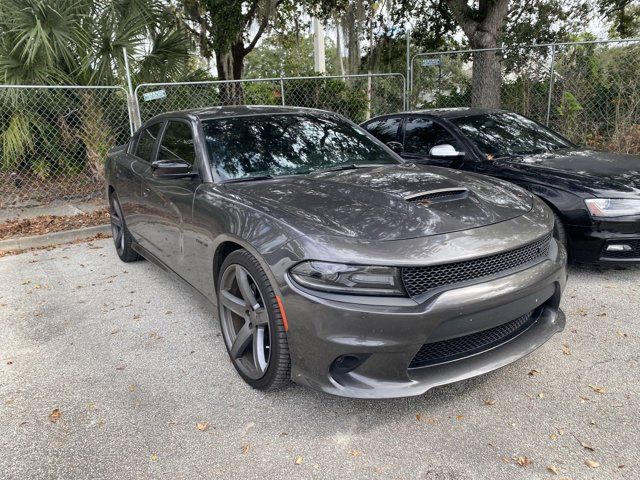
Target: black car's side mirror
396 147
445 151
171 168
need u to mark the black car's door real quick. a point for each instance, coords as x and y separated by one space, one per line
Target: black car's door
421 134
129 180
169 199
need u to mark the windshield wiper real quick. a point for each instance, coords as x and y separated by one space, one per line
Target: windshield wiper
351 166
250 178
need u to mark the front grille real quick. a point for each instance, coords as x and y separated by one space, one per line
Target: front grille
418 280
454 348
629 254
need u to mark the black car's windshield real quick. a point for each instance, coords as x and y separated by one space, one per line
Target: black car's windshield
506 134
287 144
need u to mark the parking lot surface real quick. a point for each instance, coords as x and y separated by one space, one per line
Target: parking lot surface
113 370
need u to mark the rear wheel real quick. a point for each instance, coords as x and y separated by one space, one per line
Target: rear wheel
121 237
251 322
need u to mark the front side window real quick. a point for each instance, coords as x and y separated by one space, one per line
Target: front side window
177 143
147 141
385 130
422 134
287 144
505 134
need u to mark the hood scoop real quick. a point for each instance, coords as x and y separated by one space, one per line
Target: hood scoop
438 195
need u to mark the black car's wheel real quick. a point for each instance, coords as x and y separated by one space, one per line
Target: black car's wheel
559 232
251 322
121 236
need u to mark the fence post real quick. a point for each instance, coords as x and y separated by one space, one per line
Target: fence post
282 91
551 75
407 87
132 101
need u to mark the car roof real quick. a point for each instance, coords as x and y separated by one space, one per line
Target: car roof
227 111
447 113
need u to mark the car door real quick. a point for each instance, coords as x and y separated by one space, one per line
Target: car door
140 153
169 199
421 134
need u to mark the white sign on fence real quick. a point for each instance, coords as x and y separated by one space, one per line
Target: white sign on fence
155 95
430 62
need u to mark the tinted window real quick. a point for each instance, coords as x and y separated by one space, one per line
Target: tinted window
177 143
422 134
503 134
147 141
385 130
287 144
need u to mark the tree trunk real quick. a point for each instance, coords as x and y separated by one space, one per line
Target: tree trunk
486 80
230 66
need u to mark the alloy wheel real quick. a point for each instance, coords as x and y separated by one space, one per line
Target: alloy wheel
245 321
117 226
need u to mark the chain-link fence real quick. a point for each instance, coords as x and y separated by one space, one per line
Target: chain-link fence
588 91
358 97
53 141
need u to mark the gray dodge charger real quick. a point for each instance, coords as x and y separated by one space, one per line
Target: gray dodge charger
331 261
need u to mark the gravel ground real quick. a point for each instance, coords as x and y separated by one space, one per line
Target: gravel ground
110 370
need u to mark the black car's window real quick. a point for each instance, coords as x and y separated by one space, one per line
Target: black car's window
177 143
287 144
422 134
503 134
385 129
147 141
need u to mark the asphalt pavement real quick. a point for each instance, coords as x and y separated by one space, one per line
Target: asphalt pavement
117 371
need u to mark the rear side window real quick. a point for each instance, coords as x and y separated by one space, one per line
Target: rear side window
385 130
146 141
422 134
177 143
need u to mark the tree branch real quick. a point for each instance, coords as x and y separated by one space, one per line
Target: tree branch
463 14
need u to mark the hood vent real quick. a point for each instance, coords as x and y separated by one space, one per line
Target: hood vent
439 195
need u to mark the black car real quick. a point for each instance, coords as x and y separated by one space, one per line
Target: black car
595 195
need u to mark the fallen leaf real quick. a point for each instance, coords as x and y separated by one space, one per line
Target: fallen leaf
283 434
541 395
132 387
202 426
553 469
523 461
596 389
489 401
355 453
298 460
584 399
534 372
591 463
245 449
418 417
55 415
136 316
565 349
586 446
459 417
154 457
622 334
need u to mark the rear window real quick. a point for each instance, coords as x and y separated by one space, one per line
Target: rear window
287 144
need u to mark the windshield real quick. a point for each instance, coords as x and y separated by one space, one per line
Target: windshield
506 134
287 144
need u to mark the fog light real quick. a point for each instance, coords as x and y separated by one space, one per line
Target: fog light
346 363
619 247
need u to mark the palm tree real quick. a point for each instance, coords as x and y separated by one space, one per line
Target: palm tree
77 42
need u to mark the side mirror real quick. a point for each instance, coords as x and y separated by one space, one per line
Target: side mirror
396 147
171 168
444 151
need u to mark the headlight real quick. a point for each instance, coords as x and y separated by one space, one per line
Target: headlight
613 207
354 279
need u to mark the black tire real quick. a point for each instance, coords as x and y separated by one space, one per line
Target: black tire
122 239
559 231
277 371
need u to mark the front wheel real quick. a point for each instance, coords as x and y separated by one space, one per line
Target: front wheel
251 322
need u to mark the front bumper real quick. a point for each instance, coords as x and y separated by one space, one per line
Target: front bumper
384 334
588 244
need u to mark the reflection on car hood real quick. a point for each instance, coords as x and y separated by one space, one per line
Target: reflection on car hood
369 203
597 170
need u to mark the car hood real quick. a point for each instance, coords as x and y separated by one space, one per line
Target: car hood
369 203
596 171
